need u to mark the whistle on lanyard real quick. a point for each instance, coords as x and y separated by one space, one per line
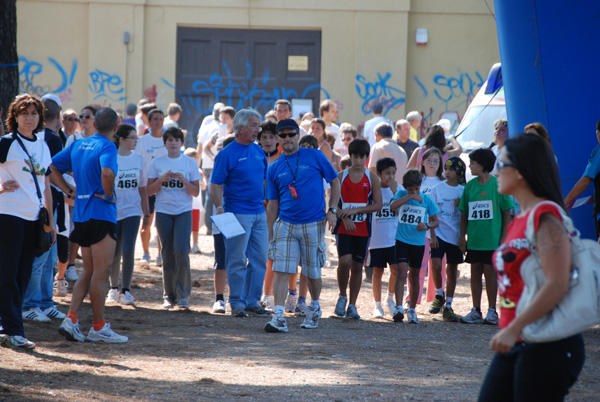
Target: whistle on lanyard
293 191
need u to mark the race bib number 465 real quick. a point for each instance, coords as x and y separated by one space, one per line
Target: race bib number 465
411 214
481 210
357 218
128 179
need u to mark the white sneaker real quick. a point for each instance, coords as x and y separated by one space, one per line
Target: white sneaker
312 318
167 304
35 314
391 307
277 324
145 260
195 249
71 274
290 303
412 316
378 312
267 303
113 296
126 299
106 335
53 312
71 331
219 307
60 287
159 261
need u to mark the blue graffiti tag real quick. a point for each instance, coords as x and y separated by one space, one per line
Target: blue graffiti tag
30 71
455 87
238 95
379 90
105 85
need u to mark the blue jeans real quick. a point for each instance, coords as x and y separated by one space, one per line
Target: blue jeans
39 290
127 230
174 232
246 281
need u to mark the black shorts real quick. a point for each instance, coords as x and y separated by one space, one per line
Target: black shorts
479 256
381 257
452 252
93 231
219 241
355 245
409 253
597 227
151 201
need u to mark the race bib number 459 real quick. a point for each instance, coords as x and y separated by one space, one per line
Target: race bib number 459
411 214
357 218
481 210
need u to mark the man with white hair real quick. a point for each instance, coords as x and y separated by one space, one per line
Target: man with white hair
414 118
369 130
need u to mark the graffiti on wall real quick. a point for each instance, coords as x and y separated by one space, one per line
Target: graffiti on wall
378 90
106 86
249 93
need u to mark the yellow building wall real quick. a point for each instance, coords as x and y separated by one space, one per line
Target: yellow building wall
75 48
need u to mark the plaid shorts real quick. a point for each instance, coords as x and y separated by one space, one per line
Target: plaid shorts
298 244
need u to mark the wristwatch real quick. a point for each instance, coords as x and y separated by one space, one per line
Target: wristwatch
334 210
428 225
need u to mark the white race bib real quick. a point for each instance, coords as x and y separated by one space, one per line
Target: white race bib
128 179
385 213
173 183
411 214
357 218
481 210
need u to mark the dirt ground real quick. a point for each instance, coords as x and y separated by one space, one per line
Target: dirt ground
199 356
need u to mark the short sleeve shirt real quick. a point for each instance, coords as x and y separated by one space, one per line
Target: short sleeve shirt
410 215
173 197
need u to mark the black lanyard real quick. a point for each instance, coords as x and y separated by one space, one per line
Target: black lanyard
293 174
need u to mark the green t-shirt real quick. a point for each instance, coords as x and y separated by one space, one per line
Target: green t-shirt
483 206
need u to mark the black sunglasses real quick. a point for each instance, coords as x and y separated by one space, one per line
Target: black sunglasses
285 135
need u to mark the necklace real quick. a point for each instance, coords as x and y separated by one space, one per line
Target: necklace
292 186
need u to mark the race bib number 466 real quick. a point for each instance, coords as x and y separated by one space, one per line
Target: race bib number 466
481 210
411 214
357 218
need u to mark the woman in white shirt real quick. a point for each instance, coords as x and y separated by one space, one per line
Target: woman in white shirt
175 179
132 203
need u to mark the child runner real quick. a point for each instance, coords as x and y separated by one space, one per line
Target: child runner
360 196
382 247
447 197
484 219
416 215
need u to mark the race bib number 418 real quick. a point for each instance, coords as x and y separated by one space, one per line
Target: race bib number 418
411 214
481 210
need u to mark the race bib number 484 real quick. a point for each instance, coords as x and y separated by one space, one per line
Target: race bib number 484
411 214
481 210
357 218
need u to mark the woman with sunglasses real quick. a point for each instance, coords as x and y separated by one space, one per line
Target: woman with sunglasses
526 169
132 204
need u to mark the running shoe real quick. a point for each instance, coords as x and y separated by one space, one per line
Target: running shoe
145 260
491 318
290 303
106 335
378 312
312 318
399 314
437 304
267 303
60 287
195 249
474 317
352 313
126 299
71 331
340 306
35 314
238 311
300 310
219 307
412 316
159 261
112 297
448 315
53 312
257 311
391 307
277 324
16 341
167 304
71 274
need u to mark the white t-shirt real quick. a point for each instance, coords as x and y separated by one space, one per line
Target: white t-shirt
15 165
384 223
131 176
444 195
173 198
150 147
206 133
427 185
335 130
197 201
369 129
72 138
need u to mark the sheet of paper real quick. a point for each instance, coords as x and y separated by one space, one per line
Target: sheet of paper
228 225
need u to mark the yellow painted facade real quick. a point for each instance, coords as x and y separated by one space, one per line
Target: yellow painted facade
75 48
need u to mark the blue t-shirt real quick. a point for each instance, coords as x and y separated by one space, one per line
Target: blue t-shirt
86 158
313 167
242 170
593 167
410 215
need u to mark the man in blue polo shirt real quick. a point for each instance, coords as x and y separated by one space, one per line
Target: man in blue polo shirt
237 186
296 219
93 161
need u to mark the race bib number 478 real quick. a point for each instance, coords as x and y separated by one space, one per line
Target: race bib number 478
357 218
411 214
481 210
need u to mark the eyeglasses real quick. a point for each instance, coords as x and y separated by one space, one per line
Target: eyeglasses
86 116
286 135
432 161
501 165
71 119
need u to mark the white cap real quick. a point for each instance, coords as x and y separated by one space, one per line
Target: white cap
52 97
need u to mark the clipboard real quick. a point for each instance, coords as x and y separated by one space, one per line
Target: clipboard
228 225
